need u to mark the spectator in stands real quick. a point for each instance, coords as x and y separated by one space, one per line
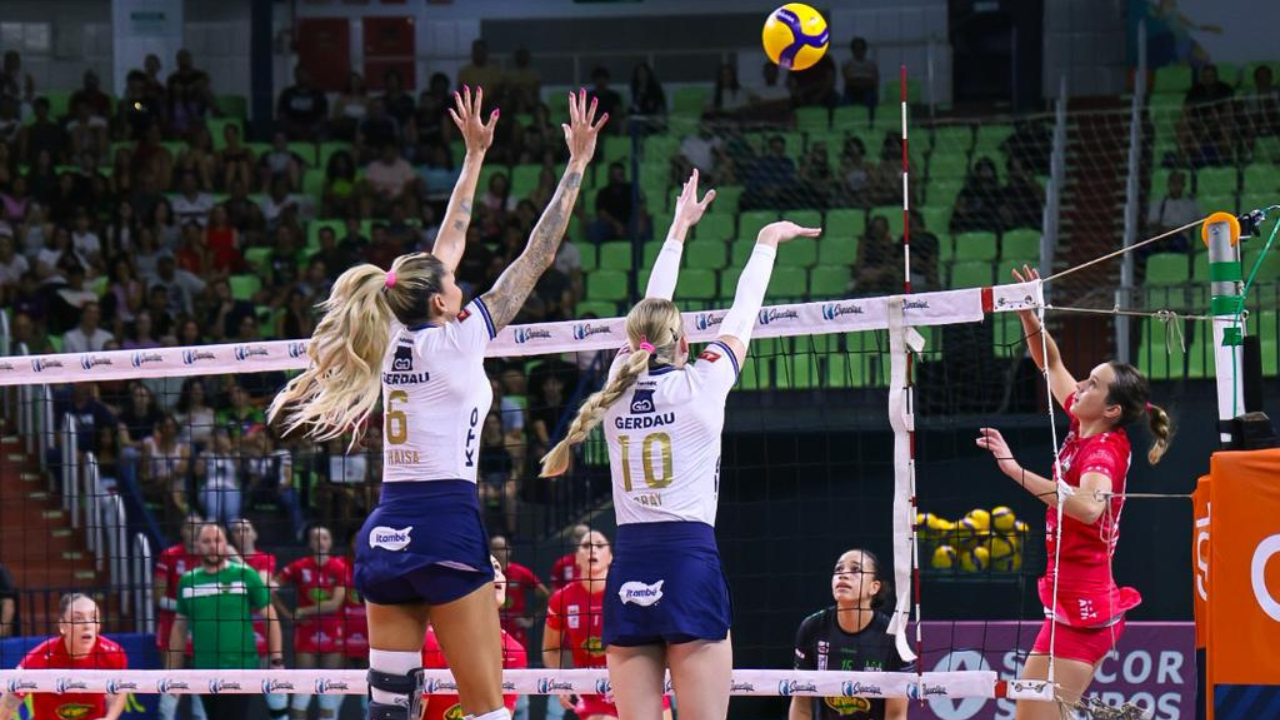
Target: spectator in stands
302 108
43 134
198 157
614 208
138 420
926 254
522 84
278 205
856 174
1022 199
183 287
647 96
87 132
216 602
729 96
340 185
1208 118
517 614
89 414
146 256
565 570
67 304
377 130
1260 109
282 264
977 206
164 465
861 77
479 73
351 107
12 267
194 415
122 231
244 213
399 103
80 647
610 102
10 125
320 578
878 269
140 335
498 473
1173 210
391 179
151 156
815 85
14 83
241 414
124 296
771 180
218 472
162 319
817 182
139 109
190 96
85 241
703 151
547 406
281 162
770 95
8 604
222 242
268 467
87 336
91 94
164 224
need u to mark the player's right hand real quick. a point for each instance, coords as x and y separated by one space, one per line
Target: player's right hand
582 129
776 233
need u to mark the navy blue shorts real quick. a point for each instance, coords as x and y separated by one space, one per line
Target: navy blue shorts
424 543
666 586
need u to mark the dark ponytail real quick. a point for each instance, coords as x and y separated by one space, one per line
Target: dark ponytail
1131 392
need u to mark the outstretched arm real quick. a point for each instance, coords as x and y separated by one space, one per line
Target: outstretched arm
666 268
508 294
452 240
737 325
1061 381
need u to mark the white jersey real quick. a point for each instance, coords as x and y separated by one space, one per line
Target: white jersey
664 440
435 396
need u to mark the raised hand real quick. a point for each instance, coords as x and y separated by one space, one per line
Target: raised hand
780 232
582 129
477 135
992 441
1027 274
689 209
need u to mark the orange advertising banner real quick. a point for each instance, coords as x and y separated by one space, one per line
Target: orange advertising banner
1200 556
1244 582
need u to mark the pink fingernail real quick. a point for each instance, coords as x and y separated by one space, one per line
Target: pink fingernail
496 112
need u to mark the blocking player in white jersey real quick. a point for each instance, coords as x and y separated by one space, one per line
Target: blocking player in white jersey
424 551
666 599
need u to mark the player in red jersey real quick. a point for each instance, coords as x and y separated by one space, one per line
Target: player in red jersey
1086 617
321 579
575 619
565 571
174 562
78 646
514 657
517 612
267 632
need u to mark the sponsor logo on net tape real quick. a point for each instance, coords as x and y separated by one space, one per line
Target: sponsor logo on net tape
324 686
582 331
857 689
116 686
787 688
549 685
271 685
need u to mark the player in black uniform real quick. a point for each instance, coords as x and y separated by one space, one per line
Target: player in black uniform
852 635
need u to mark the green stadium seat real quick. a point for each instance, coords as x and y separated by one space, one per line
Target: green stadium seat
1200 268
1261 177
696 284
893 92
616 148
589 256
649 253
660 148
524 179
707 254
892 214
826 281
798 253
991 137
1167 269
948 164
1267 149
607 286
1160 354
1216 181
844 223
975 246
946 247
598 309
1173 80
740 251
558 104
690 100
313 183
655 173
812 119
615 256
1268 271
1214 203
756 373
942 192
306 151
804 218
1004 271
258 257
1020 245
1268 332
1007 335
936 217
788 284
235 106
55 342
727 198
729 280
798 371
216 126
971 274
244 287
836 251
718 227
59 103
642 279
750 222
953 139
846 117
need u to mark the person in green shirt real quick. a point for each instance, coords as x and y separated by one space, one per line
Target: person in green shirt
216 602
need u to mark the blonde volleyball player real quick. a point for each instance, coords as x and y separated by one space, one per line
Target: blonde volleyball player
666 601
423 552
1086 618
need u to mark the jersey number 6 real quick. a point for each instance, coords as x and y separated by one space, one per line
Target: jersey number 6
397 421
651 477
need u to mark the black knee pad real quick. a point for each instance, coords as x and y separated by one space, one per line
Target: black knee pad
408 685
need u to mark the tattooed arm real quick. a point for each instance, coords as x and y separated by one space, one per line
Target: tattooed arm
508 294
452 239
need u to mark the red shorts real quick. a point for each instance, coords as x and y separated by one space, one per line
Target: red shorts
355 633
1086 645
321 635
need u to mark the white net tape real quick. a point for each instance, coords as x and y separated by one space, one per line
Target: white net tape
816 318
761 683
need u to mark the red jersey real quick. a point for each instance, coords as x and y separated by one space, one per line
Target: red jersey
355 620
172 564
579 616
52 654
262 563
316 583
1087 592
521 581
446 707
565 571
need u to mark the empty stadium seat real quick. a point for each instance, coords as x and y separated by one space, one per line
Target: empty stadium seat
844 223
750 222
1173 80
789 284
838 251
975 246
715 226
696 284
1020 245
690 100
706 254
1216 181
1160 354
800 252
811 119
615 256
971 274
244 287
607 285
598 309
826 281
1167 269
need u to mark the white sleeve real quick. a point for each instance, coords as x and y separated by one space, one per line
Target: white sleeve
473 330
717 367
666 269
752 284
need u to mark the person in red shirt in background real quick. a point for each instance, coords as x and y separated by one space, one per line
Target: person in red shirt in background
517 612
172 564
514 657
321 579
78 646
575 618
266 627
565 570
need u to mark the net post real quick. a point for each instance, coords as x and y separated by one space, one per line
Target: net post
1226 304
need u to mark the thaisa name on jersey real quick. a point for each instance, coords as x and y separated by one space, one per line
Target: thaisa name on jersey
645 421
405 378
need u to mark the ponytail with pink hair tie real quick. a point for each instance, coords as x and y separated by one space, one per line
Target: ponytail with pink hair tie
1150 408
391 279
646 345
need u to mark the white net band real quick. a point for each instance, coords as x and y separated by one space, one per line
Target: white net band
816 318
763 683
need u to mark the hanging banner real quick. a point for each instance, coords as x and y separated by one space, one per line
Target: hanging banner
140 28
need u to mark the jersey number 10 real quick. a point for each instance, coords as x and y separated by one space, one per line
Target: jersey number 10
651 477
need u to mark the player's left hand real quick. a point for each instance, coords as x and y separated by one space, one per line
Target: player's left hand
477 134
992 441
583 127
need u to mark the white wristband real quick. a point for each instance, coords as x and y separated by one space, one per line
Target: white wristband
753 282
666 269
168 603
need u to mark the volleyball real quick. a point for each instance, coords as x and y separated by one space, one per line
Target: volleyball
981 519
1002 553
976 560
795 36
1002 519
969 533
944 558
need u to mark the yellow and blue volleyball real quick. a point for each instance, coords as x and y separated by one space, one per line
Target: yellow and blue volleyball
795 36
1003 553
981 519
944 558
1002 519
976 560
